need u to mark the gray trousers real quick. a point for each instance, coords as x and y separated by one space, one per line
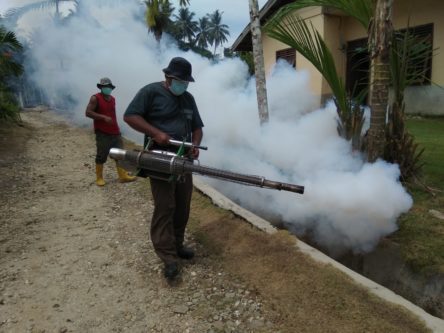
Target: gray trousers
170 217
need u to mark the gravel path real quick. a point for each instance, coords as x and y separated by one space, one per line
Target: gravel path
77 258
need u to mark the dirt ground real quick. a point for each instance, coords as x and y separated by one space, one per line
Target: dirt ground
77 258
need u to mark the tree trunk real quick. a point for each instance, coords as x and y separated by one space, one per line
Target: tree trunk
258 56
379 43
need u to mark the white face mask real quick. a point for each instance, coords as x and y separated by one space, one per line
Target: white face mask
178 87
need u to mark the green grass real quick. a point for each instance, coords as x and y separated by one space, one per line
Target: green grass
420 234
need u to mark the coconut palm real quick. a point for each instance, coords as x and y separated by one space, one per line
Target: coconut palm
217 30
380 38
158 16
202 33
16 13
185 24
258 58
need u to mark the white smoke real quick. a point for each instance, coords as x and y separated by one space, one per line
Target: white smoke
348 204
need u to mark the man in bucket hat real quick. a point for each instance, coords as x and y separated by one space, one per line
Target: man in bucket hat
102 108
163 111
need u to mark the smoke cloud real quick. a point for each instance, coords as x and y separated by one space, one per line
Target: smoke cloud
348 204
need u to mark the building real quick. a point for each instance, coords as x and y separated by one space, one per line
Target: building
344 35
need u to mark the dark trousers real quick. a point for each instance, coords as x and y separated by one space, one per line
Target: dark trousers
104 143
171 211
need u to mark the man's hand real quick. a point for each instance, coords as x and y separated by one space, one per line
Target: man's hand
107 119
162 138
194 153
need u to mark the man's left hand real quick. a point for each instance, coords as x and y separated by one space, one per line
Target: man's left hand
195 153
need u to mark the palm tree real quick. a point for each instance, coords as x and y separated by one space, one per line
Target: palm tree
8 45
258 58
218 31
405 51
157 16
186 25
302 36
202 33
381 35
16 13
9 110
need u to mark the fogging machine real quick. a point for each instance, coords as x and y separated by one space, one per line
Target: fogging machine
169 166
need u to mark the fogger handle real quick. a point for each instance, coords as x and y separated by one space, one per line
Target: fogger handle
186 144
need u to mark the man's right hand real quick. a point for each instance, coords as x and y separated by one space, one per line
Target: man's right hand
108 120
162 138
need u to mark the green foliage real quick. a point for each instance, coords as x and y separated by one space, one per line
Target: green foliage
218 31
362 10
186 25
407 52
157 17
199 50
202 33
189 33
9 109
8 46
303 37
246 57
9 67
421 235
429 134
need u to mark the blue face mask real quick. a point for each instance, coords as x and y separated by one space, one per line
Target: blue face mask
178 87
107 91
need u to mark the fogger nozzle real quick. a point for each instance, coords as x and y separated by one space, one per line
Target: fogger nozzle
117 154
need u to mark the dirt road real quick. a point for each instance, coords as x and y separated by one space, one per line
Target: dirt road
77 258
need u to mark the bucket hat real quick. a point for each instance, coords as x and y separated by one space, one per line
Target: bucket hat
179 68
105 82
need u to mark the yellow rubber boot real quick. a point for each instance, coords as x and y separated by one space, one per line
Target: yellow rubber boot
99 175
124 177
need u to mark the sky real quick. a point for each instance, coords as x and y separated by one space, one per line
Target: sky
348 204
235 13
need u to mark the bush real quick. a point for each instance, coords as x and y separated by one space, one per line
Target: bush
9 108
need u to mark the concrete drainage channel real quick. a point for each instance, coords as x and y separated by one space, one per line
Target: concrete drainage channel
434 323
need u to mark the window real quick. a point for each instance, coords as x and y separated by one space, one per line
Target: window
420 63
358 60
289 55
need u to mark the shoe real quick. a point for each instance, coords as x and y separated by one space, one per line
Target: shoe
124 177
99 175
185 253
171 270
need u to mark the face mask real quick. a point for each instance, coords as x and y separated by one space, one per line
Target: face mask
107 91
178 87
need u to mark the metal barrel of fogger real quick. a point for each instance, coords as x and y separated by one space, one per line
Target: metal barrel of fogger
175 165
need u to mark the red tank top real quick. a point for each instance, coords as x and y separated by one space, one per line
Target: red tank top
107 108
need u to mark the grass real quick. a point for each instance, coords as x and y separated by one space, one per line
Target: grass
298 294
420 234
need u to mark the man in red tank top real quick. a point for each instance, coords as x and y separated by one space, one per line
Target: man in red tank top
102 108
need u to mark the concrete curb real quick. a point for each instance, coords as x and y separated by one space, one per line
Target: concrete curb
434 323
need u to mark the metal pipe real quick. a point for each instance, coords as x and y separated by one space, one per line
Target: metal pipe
175 165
